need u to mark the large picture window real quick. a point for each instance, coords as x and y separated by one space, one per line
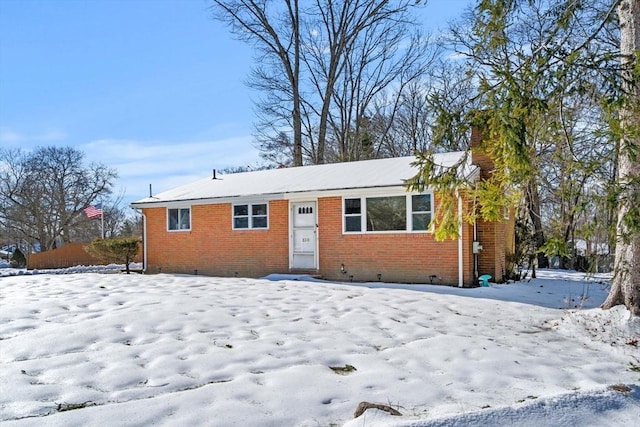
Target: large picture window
250 216
179 219
388 213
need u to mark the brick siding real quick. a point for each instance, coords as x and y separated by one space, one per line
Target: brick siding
211 247
398 257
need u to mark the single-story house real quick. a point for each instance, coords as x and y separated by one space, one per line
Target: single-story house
344 221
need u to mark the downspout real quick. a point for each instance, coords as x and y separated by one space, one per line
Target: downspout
460 243
144 242
475 239
475 254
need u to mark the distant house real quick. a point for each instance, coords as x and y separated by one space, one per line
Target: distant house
344 221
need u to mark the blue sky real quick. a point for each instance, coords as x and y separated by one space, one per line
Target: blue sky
152 88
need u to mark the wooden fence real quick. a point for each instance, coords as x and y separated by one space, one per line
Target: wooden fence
69 255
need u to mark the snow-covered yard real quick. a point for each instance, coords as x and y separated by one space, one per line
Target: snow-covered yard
131 350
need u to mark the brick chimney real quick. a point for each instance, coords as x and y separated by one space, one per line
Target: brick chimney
479 157
491 235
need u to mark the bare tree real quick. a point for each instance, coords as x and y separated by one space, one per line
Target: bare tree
276 34
131 226
360 52
405 128
321 69
575 154
42 193
114 218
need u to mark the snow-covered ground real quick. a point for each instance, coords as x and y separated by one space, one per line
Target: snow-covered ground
89 349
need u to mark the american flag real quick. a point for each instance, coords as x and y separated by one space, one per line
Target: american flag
93 211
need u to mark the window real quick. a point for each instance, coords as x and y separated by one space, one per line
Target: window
250 216
420 212
259 216
389 213
352 215
179 219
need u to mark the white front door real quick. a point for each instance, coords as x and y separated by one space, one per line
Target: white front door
303 236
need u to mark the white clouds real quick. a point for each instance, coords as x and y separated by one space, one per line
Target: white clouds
165 164
8 136
12 137
209 151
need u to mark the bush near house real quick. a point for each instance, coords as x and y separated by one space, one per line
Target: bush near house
18 259
121 251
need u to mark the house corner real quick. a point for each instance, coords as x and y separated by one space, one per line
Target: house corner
493 237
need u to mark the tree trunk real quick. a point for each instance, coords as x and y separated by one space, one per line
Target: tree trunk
625 288
533 209
294 13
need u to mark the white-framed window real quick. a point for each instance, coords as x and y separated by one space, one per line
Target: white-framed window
248 216
179 219
421 211
408 213
352 215
386 213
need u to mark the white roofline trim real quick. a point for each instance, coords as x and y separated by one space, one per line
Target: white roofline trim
210 201
298 195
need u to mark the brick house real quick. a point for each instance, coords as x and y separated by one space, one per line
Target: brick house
343 221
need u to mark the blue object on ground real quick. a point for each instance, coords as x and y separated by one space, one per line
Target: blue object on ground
484 280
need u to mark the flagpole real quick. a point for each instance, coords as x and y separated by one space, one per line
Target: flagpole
102 219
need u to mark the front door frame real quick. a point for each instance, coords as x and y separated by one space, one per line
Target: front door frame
294 257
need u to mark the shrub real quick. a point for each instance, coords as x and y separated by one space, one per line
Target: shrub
120 251
18 259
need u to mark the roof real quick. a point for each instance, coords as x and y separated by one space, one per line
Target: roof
377 173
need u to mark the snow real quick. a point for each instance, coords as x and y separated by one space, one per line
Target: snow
581 246
332 178
92 349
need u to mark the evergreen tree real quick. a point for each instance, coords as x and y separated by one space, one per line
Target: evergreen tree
18 259
122 250
528 55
